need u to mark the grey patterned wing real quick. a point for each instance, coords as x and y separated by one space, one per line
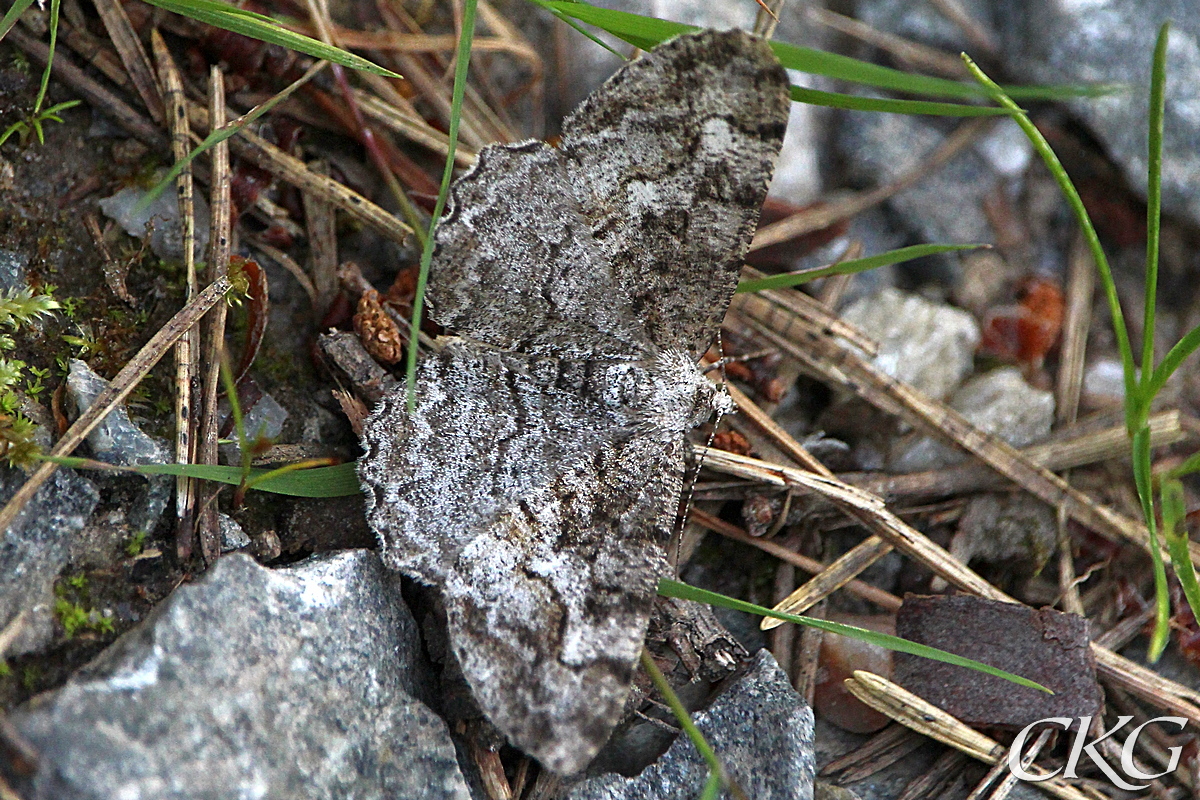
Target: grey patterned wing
516 267
670 160
549 611
489 430
533 493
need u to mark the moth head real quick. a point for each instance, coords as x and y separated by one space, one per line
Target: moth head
677 395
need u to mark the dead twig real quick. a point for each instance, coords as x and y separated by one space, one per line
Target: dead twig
913 712
121 386
885 600
187 350
99 97
133 55
841 366
220 233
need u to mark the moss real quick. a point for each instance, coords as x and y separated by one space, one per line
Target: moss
136 544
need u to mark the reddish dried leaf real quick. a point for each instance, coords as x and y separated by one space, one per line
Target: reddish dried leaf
1045 645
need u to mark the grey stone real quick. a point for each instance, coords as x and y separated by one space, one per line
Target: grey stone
162 218
232 535
998 402
924 22
929 346
36 548
945 205
264 419
12 270
252 682
997 529
760 728
116 440
1062 41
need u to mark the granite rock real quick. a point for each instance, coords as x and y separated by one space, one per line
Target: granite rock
298 682
760 728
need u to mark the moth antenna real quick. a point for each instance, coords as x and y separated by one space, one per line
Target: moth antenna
691 487
721 362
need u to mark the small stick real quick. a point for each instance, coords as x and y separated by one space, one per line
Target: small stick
99 97
133 55
922 716
118 390
885 600
287 262
187 351
835 363
322 244
781 641
218 269
809 656
1158 691
923 57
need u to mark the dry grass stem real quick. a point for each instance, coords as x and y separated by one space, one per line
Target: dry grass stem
782 640
1001 768
980 37
117 390
220 239
919 56
287 262
1088 447
829 580
835 363
97 96
1077 322
187 350
292 170
806 311
913 712
885 600
133 56
878 753
1158 691
405 122
322 244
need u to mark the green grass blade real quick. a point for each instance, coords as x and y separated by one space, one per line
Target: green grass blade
336 481
716 772
263 28
646 32
813 97
669 588
12 15
1172 361
1133 411
41 95
851 266
1175 535
462 61
1144 481
1189 466
221 134
1158 83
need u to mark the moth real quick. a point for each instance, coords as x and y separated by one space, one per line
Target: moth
537 481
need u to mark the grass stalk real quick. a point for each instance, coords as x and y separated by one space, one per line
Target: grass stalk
462 61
